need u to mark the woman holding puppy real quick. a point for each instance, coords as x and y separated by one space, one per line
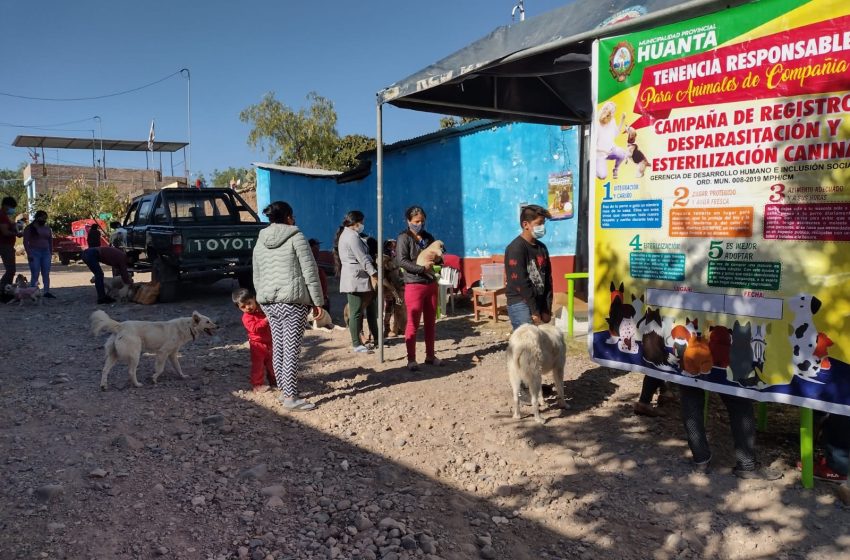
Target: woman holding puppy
286 278
420 286
358 279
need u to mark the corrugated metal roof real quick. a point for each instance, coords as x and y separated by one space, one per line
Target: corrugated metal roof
306 171
95 144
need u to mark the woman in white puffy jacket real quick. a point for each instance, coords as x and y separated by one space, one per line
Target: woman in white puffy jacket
286 279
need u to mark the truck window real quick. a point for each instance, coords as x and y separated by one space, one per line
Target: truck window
131 213
143 216
205 208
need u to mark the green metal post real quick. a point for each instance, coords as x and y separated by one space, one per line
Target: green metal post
807 446
762 417
571 292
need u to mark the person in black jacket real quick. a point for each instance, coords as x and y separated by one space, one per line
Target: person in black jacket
529 271
420 292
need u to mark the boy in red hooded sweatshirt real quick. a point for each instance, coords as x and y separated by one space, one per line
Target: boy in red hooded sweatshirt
259 340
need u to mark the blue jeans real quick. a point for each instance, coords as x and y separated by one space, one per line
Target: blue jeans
92 259
520 314
837 442
39 260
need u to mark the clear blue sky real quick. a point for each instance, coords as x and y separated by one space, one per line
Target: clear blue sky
236 51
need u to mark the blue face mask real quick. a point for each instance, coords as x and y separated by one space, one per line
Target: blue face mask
11 212
538 231
415 228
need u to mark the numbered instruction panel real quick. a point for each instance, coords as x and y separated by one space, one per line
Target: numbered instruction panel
721 207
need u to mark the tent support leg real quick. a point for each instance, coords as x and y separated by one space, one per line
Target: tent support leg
379 180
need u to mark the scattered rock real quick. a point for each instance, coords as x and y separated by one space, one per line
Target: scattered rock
274 490
362 523
275 502
214 419
255 473
124 441
49 492
199 501
344 465
98 473
487 552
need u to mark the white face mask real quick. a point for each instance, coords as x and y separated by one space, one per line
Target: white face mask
359 228
538 231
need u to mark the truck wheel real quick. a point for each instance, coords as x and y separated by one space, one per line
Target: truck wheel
168 278
64 259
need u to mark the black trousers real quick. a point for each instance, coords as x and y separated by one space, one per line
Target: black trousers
7 255
651 385
742 422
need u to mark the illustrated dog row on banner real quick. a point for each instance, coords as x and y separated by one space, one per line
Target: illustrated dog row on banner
637 328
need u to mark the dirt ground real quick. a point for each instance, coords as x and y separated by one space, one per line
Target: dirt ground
392 464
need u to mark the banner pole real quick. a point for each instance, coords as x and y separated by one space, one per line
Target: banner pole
807 446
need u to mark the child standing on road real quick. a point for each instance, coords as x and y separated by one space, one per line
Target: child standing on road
259 340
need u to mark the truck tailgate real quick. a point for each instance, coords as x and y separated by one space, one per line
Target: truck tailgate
226 242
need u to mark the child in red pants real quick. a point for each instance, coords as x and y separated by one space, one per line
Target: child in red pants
259 340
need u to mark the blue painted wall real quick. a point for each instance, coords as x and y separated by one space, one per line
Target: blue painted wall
470 185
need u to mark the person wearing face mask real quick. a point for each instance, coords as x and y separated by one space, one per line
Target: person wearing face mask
38 243
358 279
8 235
420 287
529 271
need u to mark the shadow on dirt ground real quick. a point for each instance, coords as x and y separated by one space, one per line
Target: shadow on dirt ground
392 464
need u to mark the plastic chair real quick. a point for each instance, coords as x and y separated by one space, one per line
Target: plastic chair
446 286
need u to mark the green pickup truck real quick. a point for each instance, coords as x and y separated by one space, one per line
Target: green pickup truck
189 235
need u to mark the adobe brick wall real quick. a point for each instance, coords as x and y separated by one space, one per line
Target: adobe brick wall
130 182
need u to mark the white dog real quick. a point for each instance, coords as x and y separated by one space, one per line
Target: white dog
163 338
21 294
431 255
803 335
533 350
324 323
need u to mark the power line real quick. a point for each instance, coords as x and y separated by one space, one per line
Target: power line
44 126
94 97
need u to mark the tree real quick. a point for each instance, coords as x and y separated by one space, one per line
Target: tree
245 176
451 122
78 201
306 138
347 149
12 184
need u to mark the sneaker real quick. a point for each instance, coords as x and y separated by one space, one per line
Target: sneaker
362 349
822 471
48 295
757 473
105 299
645 409
296 405
703 468
412 366
435 361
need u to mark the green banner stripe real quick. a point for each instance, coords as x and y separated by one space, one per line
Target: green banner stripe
746 18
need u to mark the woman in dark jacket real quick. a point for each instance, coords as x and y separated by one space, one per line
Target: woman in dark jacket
420 291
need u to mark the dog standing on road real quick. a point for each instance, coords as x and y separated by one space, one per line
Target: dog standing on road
533 350
163 338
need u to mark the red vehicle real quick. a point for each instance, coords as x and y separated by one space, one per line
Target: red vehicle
70 247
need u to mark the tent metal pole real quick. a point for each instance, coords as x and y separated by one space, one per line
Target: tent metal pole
379 180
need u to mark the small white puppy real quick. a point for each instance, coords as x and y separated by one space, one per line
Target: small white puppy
431 255
324 322
533 350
